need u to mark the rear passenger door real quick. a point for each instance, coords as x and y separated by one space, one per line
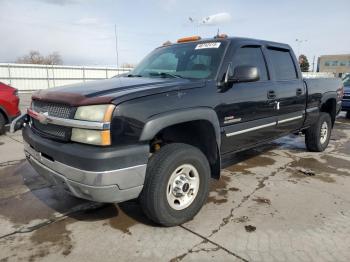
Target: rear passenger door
246 114
289 87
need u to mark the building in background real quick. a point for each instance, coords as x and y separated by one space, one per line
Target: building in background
339 65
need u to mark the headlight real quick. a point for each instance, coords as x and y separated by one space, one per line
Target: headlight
97 113
94 113
93 137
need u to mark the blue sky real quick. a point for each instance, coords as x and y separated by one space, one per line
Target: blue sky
83 30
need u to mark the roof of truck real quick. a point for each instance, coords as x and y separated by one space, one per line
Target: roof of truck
232 39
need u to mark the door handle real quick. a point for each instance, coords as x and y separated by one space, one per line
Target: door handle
271 94
299 92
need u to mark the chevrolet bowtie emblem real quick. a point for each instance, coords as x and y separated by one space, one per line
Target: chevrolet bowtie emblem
43 118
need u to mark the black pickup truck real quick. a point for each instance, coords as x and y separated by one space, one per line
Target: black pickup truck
163 131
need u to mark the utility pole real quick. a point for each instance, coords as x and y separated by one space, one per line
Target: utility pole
313 64
116 46
195 25
299 42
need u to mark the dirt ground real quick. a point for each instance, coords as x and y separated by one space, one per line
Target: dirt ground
277 202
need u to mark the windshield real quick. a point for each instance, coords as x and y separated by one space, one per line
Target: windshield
346 80
197 60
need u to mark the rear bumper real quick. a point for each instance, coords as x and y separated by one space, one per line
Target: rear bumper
110 185
345 105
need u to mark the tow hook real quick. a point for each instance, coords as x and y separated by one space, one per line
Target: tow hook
19 122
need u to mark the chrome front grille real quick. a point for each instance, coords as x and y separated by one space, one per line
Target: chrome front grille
53 109
56 110
54 131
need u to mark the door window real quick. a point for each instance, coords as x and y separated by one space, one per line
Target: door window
251 56
282 64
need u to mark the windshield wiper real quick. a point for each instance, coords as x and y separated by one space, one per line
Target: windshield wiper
131 75
165 74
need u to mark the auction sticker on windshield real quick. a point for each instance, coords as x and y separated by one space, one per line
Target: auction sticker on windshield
208 45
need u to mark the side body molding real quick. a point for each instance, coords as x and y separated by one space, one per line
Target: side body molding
163 120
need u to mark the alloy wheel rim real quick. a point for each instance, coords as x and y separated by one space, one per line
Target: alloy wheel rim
324 133
183 186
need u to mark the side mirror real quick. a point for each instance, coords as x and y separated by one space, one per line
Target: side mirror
241 74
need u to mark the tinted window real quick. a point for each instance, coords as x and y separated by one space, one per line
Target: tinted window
346 80
282 64
251 56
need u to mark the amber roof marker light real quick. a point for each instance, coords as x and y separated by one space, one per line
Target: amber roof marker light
167 43
221 36
189 39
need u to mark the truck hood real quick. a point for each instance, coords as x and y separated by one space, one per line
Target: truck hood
118 88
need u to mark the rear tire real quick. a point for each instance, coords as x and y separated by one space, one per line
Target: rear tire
176 184
317 136
348 115
2 124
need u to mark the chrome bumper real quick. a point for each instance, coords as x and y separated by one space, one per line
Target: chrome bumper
110 186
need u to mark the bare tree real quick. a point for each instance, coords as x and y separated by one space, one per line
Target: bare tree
53 59
34 57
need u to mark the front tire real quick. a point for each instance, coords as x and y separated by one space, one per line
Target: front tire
348 114
2 124
176 184
317 136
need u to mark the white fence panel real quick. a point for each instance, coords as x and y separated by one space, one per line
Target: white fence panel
34 77
318 75
95 73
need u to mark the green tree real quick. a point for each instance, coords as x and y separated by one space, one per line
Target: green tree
304 63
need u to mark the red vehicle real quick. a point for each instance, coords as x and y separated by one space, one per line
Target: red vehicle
9 101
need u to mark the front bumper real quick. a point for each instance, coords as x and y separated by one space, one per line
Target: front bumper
108 186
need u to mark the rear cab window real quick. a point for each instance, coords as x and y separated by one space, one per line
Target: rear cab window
282 64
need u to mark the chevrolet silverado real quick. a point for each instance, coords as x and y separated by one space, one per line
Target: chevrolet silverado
161 132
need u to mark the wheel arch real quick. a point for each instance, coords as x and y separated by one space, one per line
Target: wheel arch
329 105
4 113
185 126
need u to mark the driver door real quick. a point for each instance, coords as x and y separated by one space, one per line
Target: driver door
247 112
